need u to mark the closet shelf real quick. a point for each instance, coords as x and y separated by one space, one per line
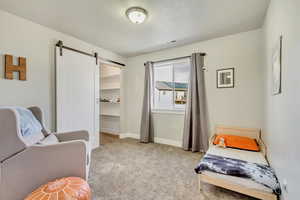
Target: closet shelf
108 102
117 88
110 115
110 76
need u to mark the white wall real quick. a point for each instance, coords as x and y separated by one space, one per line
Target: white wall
240 106
281 128
21 37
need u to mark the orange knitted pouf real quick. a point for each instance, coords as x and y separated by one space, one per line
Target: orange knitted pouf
71 188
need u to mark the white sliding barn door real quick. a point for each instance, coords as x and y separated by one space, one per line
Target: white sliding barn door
76 93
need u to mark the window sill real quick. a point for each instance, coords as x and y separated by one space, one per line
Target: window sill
172 112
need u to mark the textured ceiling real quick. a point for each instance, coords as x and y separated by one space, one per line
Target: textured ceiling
103 22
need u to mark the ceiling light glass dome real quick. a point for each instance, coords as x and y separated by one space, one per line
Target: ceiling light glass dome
136 15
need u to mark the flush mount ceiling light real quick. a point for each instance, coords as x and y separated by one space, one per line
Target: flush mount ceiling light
136 15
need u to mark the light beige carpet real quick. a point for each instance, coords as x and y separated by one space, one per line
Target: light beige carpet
128 170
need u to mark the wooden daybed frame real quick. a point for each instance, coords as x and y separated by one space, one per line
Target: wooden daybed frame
231 185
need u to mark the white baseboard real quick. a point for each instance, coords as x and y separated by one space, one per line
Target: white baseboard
129 135
156 139
168 142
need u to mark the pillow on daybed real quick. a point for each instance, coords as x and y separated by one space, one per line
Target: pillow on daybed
237 142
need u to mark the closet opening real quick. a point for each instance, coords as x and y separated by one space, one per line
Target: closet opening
110 101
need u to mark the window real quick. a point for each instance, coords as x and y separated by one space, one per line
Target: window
170 85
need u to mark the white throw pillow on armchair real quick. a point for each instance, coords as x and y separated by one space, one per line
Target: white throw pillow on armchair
50 139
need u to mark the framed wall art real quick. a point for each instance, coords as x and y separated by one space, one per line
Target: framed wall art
225 78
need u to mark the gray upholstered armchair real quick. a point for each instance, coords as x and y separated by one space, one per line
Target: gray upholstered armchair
25 167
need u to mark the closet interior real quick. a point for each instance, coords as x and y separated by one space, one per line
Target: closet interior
110 101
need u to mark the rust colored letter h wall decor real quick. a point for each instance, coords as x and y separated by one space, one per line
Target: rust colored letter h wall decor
10 68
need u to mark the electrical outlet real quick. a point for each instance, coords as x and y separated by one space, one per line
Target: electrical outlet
285 185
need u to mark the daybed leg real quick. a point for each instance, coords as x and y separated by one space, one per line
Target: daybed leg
199 183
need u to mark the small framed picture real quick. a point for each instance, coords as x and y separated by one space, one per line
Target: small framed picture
276 67
225 78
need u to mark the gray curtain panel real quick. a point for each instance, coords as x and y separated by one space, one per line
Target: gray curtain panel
195 135
147 133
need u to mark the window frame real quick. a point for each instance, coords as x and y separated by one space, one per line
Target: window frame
174 110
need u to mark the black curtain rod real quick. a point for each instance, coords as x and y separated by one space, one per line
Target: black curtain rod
178 58
60 44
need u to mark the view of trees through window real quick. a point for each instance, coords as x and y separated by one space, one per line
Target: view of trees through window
170 84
